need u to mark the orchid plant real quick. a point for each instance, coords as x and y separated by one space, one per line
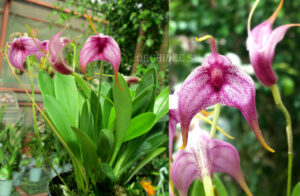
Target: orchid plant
111 131
261 44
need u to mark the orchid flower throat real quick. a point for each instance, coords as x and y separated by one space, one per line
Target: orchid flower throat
216 64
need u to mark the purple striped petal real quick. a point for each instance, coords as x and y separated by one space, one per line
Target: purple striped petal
44 47
56 57
100 47
19 49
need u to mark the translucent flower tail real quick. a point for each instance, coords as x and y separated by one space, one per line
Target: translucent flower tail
261 139
243 184
250 15
116 76
91 23
274 15
212 43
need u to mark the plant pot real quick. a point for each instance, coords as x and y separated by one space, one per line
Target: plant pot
6 187
54 184
35 174
58 169
17 177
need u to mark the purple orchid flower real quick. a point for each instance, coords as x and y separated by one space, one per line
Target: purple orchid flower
217 81
44 47
203 157
261 44
100 47
22 47
56 56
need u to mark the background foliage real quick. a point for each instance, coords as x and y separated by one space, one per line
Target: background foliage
264 172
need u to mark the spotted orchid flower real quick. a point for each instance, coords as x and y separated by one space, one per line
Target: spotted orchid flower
217 81
100 47
56 56
22 47
203 157
261 44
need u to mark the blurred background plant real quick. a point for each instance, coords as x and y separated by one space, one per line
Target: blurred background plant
226 20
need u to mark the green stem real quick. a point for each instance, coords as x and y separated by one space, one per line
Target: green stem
74 56
215 120
208 186
101 76
289 133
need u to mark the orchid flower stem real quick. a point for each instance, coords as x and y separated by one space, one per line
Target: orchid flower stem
74 55
215 121
218 128
208 186
101 76
107 75
93 88
35 127
289 133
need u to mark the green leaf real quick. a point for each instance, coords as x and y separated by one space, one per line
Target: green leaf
296 190
45 83
109 172
57 113
105 143
149 157
141 102
88 150
161 106
106 109
140 125
220 186
86 119
83 87
66 91
123 107
97 115
196 188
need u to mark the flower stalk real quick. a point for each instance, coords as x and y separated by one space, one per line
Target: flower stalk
208 186
217 111
289 133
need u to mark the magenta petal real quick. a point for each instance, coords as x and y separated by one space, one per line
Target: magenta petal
225 158
238 91
16 57
205 156
56 57
184 171
195 94
19 49
44 46
100 47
